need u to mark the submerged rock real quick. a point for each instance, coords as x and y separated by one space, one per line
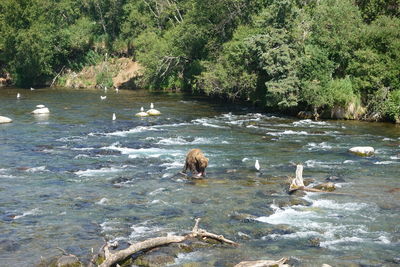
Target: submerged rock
335 179
293 201
5 119
362 150
314 242
153 112
68 261
157 259
329 186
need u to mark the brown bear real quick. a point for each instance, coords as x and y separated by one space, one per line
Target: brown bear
196 162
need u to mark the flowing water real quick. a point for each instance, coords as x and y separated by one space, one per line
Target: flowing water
75 176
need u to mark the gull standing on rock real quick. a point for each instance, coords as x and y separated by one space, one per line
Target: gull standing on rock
141 113
152 111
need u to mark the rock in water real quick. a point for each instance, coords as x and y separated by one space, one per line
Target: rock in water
152 111
141 113
329 186
68 260
362 150
41 111
5 120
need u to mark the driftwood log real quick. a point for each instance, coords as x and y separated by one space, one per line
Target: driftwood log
263 263
298 182
113 258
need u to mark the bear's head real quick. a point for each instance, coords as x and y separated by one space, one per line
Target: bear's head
202 163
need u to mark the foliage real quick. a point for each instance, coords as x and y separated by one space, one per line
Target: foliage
280 54
392 107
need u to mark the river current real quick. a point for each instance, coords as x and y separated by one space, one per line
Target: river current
74 177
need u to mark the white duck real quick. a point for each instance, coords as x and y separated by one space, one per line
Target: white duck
103 97
152 111
141 113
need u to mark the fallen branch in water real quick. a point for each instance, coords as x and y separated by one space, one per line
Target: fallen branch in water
113 258
263 263
298 183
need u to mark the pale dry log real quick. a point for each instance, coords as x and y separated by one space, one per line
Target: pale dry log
298 183
197 232
112 258
263 263
203 233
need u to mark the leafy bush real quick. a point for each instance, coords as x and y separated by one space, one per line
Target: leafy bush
392 106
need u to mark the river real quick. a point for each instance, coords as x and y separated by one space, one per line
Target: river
75 176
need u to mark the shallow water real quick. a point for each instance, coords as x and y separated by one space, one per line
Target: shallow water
74 177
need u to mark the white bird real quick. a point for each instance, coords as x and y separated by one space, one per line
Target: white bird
18 95
114 117
257 165
116 89
152 111
40 106
142 113
103 97
105 88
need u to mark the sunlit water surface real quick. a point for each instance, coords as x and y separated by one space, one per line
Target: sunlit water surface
74 177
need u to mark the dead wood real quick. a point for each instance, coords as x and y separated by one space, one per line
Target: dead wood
197 232
113 258
263 263
298 183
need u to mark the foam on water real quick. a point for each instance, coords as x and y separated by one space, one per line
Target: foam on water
311 123
37 169
71 138
173 165
157 191
152 152
138 129
320 164
140 230
331 244
35 211
319 146
288 132
102 201
385 162
109 226
183 141
96 172
208 123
